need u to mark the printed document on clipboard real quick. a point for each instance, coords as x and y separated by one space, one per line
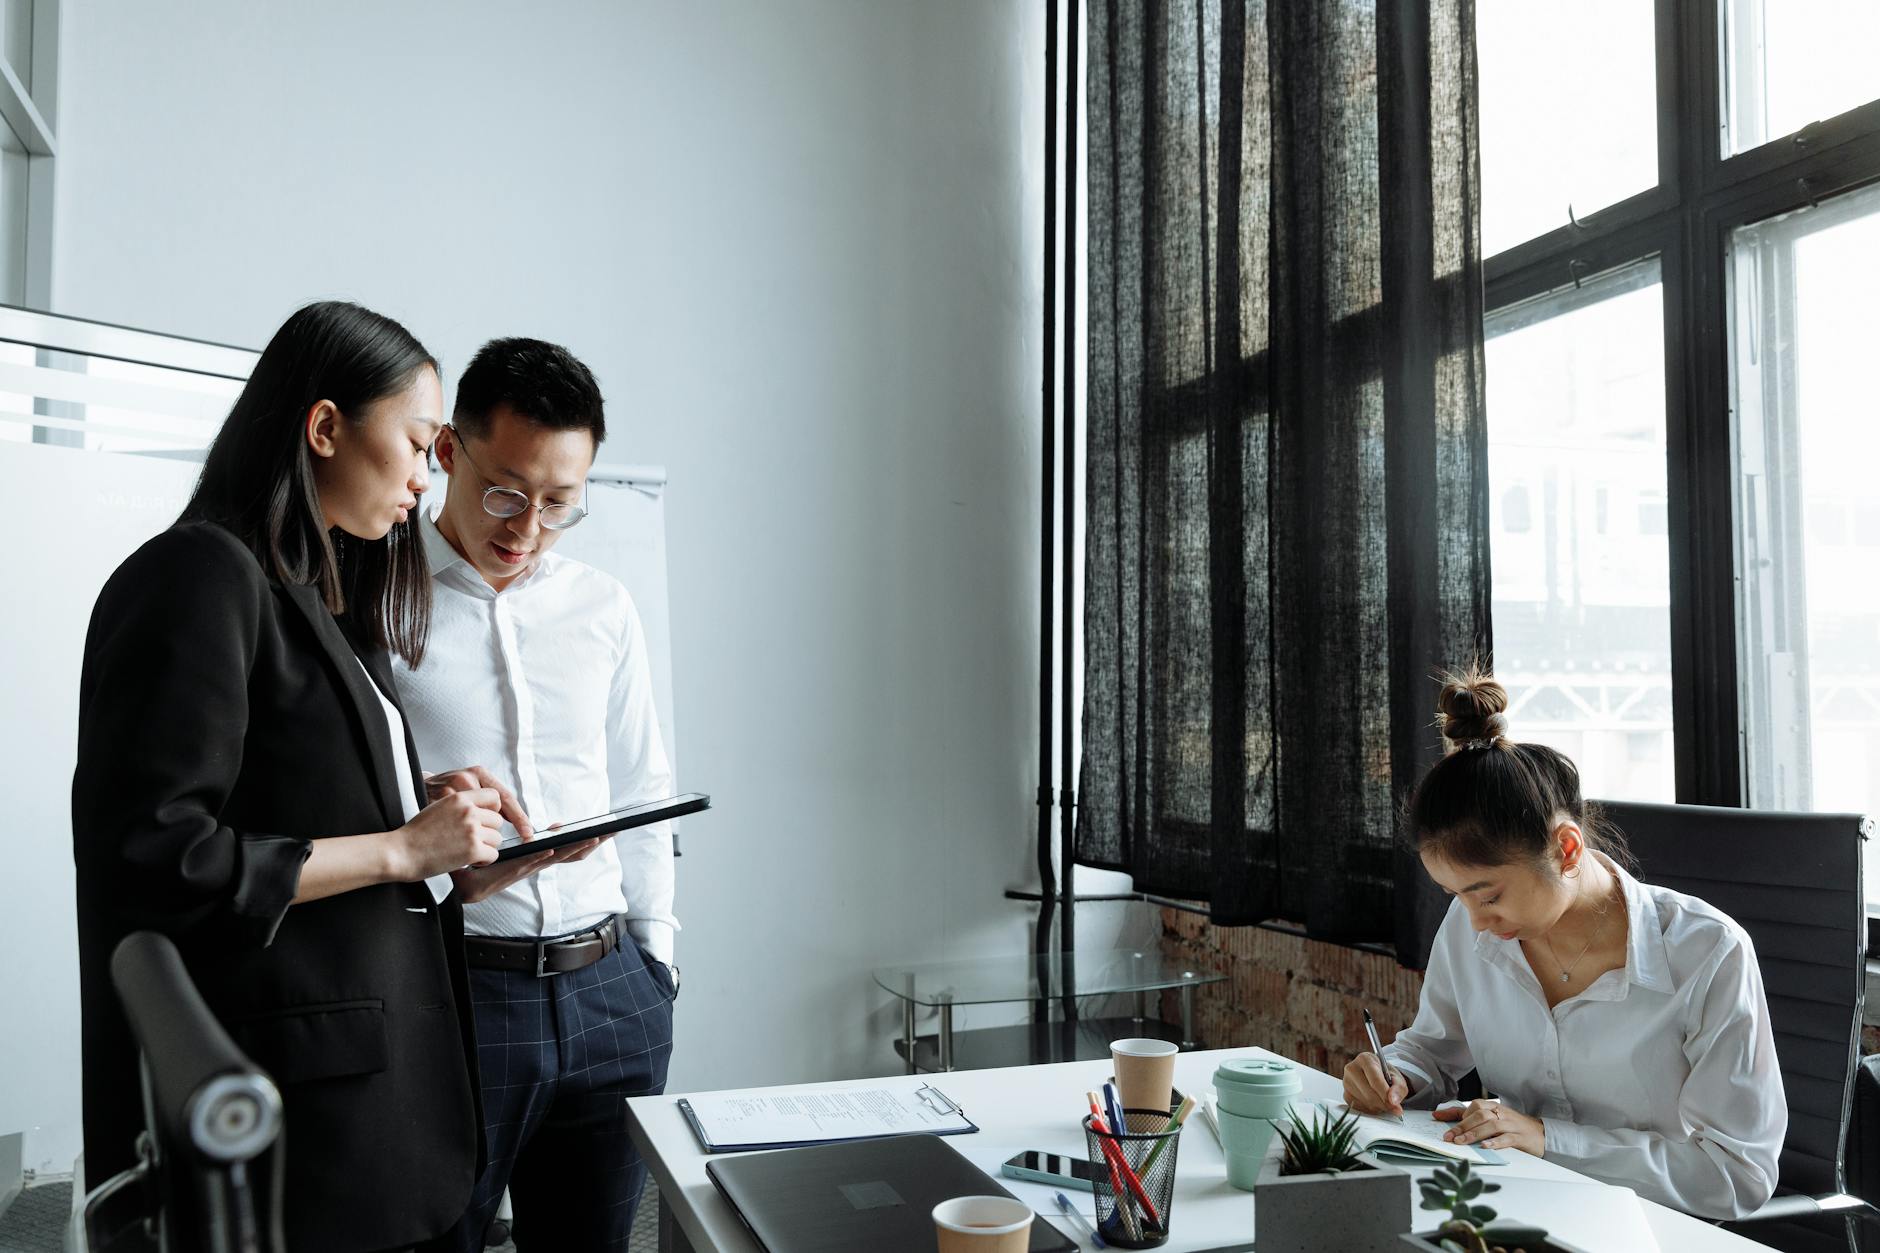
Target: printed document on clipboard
736 1124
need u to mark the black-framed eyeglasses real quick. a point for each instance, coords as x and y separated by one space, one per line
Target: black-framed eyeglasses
507 502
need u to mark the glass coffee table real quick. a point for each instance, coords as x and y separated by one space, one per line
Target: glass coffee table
1014 980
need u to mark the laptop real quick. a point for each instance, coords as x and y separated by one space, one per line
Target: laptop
857 1196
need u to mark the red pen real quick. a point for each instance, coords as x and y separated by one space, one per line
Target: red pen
1112 1157
1119 1162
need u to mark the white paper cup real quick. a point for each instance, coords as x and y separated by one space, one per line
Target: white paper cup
982 1224
1145 1072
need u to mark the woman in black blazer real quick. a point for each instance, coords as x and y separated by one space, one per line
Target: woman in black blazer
239 788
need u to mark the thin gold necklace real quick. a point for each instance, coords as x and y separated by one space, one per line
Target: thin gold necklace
1566 972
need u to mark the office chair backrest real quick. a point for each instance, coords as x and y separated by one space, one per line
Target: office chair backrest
1793 882
210 1174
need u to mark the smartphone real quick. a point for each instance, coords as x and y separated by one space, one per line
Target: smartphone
1065 1172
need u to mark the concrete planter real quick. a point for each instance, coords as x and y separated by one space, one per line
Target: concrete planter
1426 1242
1366 1210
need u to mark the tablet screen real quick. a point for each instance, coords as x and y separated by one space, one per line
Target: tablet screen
640 815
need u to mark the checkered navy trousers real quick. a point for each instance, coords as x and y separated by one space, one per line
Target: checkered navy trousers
559 1055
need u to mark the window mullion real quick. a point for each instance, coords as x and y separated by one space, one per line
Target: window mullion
1699 445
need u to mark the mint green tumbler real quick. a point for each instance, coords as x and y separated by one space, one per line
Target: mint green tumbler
1252 1095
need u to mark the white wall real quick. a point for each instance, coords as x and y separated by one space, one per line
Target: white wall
800 245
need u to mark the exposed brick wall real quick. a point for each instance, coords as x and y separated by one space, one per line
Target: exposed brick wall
1300 998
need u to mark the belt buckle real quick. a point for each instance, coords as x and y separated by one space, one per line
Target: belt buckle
541 958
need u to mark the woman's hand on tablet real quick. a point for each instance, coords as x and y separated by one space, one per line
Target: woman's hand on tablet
461 828
471 778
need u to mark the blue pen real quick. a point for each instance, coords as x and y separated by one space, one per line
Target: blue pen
1076 1216
1115 1108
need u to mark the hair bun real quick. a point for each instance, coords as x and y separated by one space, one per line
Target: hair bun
1470 709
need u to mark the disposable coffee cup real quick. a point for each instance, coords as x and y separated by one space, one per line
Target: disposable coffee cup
982 1224
1256 1087
1252 1095
1145 1072
1244 1142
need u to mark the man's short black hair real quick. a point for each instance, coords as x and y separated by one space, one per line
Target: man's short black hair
542 382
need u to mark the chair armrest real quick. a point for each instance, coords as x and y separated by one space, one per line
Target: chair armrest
1800 1205
110 1219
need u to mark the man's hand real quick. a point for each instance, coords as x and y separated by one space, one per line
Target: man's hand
575 852
1493 1125
476 883
469 778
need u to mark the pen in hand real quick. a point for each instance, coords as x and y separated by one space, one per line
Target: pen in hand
1391 1076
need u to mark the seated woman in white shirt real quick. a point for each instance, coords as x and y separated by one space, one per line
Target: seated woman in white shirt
1623 1026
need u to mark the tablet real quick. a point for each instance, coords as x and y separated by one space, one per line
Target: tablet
604 824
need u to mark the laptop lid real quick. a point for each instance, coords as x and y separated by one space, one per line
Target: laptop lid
858 1196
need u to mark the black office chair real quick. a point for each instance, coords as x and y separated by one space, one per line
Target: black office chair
209 1175
1793 881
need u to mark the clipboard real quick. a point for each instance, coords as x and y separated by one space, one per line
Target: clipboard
740 1124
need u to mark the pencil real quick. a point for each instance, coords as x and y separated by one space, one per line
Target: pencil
1180 1116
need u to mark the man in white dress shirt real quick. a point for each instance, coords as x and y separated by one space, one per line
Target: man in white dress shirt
536 664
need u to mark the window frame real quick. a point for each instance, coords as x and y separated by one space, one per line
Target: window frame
1686 222
29 91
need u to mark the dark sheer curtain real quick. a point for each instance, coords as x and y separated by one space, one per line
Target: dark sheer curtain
1287 467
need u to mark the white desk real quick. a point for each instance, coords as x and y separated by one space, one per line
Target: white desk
1038 1107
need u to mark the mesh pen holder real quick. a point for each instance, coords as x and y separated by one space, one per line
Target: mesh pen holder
1149 1152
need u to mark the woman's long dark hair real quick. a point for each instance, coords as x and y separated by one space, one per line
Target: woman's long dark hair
258 482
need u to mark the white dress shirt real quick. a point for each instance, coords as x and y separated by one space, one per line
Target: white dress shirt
1661 1076
439 884
547 685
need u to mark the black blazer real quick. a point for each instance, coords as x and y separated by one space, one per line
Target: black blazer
224 724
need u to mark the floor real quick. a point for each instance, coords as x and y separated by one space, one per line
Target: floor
35 1222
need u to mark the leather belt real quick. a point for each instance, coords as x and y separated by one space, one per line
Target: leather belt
543 957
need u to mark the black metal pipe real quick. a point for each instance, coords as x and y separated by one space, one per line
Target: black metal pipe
1067 852
1046 879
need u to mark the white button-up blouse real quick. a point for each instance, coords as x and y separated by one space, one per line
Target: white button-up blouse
1661 1077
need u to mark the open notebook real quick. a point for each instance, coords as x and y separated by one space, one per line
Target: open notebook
1416 1141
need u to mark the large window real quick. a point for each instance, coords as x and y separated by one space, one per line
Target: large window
1808 505
1683 432
1576 429
1788 63
1562 133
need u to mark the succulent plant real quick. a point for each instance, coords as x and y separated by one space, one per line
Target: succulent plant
1324 1148
1472 1228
